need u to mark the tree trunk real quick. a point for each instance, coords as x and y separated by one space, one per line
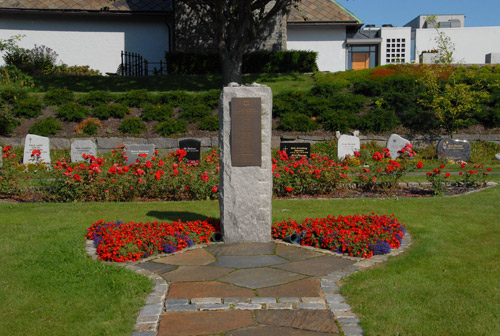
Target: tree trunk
231 67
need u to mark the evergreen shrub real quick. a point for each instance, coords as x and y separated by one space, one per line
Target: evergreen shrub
45 127
157 112
27 108
58 97
132 126
171 127
72 112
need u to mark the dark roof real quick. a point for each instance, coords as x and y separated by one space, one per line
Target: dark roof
89 5
321 11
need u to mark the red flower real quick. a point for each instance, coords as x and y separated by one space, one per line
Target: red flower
442 166
447 175
420 164
214 189
77 177
289 189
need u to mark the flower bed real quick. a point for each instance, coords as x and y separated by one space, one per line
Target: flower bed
357 235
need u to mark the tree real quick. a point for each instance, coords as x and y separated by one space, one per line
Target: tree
445 46
234 25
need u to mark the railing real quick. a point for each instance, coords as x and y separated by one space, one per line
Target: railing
133 64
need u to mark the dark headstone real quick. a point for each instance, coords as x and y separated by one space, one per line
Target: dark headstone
296 149
192 148
456 150
132 152
246 132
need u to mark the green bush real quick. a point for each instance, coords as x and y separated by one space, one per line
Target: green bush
89 126
136 98
11 93
171 127
58 96
74 70
174 98
96 98
183 63
114 110
378 120
27 108
338 120
157 112
45 127
7 122
209 123
196 112
289 102
297 122
210 98
72 112
38 60
132 126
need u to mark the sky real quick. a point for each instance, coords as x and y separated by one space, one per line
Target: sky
478 13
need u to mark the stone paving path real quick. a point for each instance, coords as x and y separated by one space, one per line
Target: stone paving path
250 289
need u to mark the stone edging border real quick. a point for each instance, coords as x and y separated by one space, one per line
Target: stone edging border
148 321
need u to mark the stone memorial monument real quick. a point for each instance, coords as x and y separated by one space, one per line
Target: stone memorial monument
36 143
347 145
80 147
452 149
395 143
245 163
296 149
132 152
192 148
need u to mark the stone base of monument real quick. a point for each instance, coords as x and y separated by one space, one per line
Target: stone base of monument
245 163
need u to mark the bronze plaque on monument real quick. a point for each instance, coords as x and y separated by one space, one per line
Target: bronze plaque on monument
246 138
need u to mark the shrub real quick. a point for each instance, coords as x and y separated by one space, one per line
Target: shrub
39 60
196 112
289 102
135 98
96 98
27 108
132 126
11 75
58 96
11 93
156 112
74 70
210 98
297 122
89 126
7 122
183 63
209 123
174 98
72 112
114 110
338 120
171 127
379 120
46 127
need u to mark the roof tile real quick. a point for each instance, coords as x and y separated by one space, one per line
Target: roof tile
320 11
90 5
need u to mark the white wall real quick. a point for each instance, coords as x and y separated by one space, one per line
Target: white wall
471 44
93 41
400 47
329 42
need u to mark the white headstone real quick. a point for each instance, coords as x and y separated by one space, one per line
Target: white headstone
395 143
347 145
246 182
80 147
36 143
133 151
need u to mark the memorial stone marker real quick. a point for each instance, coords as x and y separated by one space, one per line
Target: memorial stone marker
245 162
395 143
452 149
39 143
296 149
133 151
80 147
192 148
347 145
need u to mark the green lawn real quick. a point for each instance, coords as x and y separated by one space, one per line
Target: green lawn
447 283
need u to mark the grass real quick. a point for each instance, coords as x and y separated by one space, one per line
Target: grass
277 82
447 283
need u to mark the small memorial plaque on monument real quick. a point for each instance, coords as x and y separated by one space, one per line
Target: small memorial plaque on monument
246 132
296 149
395 143
80 147
347 145
36 143
133 151
192 148
456 150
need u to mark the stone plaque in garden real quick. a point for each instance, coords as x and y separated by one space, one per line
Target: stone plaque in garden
347 145
39 145
246 132
395 143
452 149
296 149
246 190
80 147
192 148
132 152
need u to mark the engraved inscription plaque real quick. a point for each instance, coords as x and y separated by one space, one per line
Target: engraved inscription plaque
246 138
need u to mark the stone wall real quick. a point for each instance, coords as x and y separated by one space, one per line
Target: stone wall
164 145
